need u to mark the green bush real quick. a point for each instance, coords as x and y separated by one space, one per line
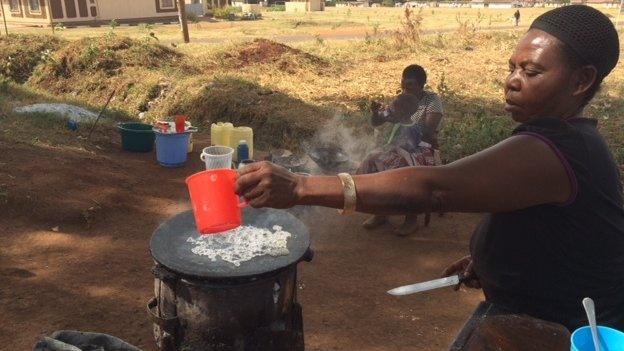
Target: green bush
227 13
387 3
191 17
276 8
471 134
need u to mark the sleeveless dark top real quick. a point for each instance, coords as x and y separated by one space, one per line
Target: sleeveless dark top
544 259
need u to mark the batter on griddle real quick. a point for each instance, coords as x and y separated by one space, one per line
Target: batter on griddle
242 244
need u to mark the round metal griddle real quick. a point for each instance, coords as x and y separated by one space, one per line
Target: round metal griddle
169 246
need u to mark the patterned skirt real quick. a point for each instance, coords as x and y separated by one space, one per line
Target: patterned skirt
393 157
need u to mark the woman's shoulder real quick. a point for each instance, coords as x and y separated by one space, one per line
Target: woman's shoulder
556 127
432 101
430 95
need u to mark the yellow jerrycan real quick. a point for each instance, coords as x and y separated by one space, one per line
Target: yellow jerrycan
220 133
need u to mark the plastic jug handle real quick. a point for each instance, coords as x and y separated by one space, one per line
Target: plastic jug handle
202 157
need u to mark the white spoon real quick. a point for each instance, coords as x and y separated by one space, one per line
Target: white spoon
588 303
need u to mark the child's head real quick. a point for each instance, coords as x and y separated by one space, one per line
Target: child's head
413 79
404 106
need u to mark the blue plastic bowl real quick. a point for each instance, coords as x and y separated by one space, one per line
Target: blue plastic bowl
610 339
172 149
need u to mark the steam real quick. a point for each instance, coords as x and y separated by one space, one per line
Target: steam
353 141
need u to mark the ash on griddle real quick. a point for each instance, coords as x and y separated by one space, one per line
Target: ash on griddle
242 244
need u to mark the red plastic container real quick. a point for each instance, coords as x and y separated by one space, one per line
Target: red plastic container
180 123
215 205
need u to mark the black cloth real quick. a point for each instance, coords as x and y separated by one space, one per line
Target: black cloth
588 32
544 259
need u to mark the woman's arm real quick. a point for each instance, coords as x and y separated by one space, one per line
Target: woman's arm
519 172
431 124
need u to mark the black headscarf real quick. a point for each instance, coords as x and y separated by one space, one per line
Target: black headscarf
587 32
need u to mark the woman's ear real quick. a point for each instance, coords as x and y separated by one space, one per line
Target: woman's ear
584 79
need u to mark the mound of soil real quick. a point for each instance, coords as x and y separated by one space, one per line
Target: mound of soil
20 54
263 51
278 119
92 67
109 55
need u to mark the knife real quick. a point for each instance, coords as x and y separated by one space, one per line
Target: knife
429 285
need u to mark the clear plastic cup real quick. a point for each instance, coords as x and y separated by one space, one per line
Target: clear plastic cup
217 157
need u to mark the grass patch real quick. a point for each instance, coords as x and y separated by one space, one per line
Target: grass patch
20 54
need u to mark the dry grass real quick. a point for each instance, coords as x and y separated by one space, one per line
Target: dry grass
20 54
333 21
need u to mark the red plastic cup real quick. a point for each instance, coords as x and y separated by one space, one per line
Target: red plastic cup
216 206
180 124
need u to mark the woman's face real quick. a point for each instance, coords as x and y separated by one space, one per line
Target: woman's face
411 86
540 81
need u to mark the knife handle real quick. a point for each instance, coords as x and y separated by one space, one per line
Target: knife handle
463 278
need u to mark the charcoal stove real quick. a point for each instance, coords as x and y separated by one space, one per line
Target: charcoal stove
204 305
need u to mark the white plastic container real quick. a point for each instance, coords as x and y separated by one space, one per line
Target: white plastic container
217 157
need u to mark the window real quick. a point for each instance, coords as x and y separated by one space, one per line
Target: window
14 5
167 4
34 6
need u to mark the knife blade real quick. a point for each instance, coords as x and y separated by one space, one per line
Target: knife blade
428 285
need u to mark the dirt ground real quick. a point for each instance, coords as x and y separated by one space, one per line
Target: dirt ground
74 232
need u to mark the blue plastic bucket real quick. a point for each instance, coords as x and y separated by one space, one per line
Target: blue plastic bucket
171 149
610 339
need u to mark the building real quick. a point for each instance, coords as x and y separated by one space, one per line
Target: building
196 7
502 4
89 12
598 3
305 6
494 4
358 3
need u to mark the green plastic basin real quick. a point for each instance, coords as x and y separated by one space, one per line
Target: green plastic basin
136 137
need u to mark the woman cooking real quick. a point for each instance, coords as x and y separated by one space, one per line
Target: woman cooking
555 229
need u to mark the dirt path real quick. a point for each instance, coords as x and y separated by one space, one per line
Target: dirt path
75 227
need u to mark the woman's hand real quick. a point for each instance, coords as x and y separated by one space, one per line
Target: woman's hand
376 118
264 184
375 106
466 269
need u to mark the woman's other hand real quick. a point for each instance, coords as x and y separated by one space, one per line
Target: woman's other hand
264 184
376 113
464 267
375 106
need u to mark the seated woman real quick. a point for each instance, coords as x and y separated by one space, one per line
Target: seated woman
416 114
554 232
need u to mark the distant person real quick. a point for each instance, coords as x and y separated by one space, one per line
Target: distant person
416 115
517 17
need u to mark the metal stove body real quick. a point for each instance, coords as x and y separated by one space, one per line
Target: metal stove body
205 305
